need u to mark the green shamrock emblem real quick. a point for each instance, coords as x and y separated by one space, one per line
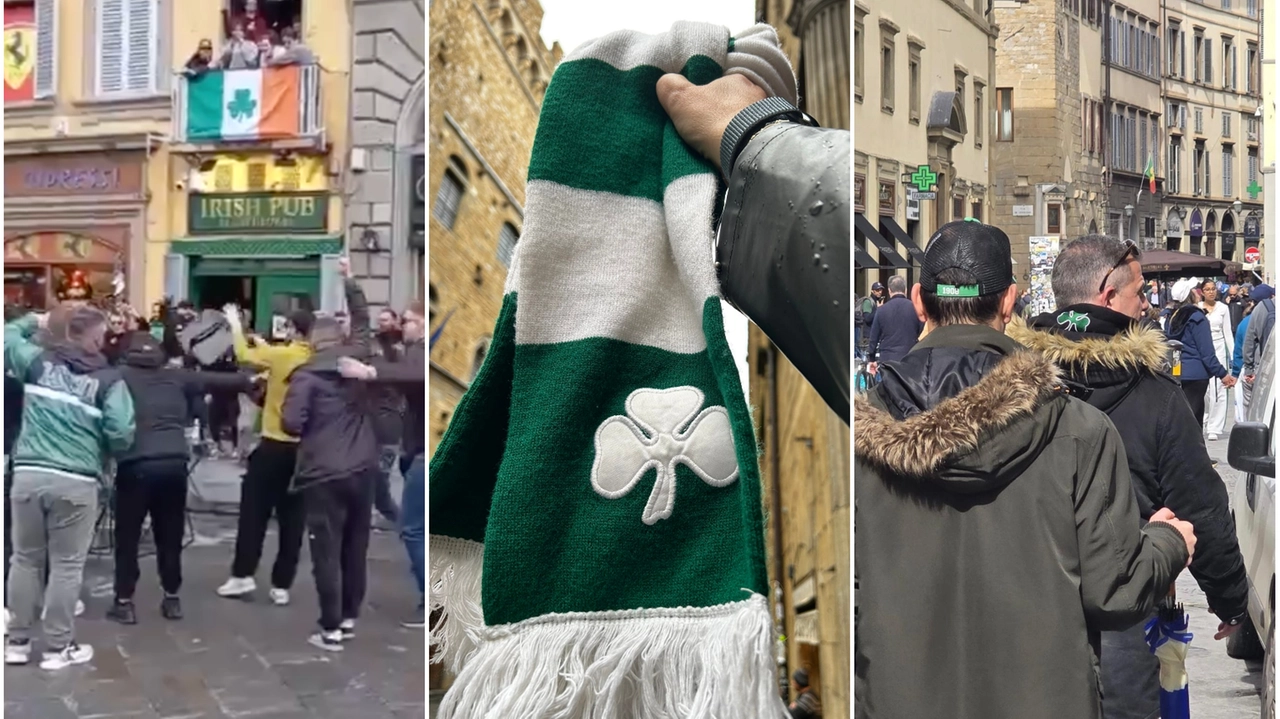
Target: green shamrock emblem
242 105
1074 321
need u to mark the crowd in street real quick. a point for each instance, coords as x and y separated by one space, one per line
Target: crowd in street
1046 475
105 411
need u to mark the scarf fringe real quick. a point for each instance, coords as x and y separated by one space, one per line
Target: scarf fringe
454 591
687 663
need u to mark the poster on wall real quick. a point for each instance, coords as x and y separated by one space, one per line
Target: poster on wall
19 53
1044 250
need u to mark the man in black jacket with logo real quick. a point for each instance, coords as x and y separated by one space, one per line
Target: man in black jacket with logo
1116 365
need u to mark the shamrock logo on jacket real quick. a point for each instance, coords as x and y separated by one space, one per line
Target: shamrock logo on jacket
663 428
1074 321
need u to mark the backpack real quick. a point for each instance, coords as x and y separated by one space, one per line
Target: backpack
865 312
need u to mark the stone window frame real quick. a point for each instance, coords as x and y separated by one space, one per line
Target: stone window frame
161 97
1004 100
980 118
888 77
859 51
915 49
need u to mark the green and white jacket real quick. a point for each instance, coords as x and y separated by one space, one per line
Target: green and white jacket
76 411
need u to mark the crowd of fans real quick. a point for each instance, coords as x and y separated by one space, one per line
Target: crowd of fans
104 404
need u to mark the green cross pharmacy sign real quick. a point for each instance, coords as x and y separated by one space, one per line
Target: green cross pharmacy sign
922 182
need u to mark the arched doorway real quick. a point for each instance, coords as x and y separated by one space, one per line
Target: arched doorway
1228 233
408 248
1173 230
1211 234
38 265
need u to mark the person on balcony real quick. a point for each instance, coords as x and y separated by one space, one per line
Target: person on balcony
240 53
269 50
254 24
200 62
295 52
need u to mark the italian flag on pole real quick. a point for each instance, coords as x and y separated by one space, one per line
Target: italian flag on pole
243 104
596 524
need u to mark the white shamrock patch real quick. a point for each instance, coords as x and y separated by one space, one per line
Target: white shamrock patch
663 428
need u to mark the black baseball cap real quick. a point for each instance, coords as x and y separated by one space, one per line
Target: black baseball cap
876 286
980 250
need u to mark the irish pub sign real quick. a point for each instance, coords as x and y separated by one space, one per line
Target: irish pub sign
258 213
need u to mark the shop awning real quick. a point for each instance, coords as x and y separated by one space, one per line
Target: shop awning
257 246
863 261
863 229
890 225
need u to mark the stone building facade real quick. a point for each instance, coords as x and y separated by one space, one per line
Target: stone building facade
1213 100
1132 72
924 88
388 134
805 462
489 69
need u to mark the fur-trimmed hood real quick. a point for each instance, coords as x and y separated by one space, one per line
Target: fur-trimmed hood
969 417
1137 348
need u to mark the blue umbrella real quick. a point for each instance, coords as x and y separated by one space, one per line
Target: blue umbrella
1169 640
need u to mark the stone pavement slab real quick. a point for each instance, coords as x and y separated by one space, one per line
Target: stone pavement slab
233 659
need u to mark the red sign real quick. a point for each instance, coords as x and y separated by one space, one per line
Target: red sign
19 53
1252 254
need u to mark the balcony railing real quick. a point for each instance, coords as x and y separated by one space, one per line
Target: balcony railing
267 105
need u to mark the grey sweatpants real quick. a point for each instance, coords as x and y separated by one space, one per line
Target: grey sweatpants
53 519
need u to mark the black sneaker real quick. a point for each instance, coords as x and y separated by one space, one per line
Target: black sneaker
122 611
415 620
171 608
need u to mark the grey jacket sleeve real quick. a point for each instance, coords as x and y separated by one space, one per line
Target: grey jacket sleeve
1249 354
1125 569
783 249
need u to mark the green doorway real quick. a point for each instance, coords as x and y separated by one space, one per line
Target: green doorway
269 289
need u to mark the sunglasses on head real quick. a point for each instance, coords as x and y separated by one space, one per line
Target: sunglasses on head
1130 250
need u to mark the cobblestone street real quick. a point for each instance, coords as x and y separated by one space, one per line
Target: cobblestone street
231 658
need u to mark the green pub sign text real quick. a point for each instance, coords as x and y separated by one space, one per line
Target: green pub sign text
257 212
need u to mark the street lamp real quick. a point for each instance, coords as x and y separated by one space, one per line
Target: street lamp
1238 206
1128 215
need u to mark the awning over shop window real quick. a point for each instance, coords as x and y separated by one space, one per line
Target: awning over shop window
890 226
889 258
863 261
258 246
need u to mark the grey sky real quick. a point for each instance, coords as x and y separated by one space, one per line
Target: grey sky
573 22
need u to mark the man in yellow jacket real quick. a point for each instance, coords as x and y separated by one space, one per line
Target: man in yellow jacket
270 468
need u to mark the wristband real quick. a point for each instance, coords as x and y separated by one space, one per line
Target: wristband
750 120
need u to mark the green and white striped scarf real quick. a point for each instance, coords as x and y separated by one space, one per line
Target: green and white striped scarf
602 469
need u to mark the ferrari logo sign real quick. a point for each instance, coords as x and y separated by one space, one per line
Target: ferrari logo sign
19 53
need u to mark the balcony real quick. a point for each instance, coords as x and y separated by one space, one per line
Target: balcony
277 108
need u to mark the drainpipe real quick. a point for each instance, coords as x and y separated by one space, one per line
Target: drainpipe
775 482
1108 106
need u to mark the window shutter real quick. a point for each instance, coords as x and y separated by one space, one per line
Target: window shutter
507 239
447 199
46 48
1208 61
140 44
111 46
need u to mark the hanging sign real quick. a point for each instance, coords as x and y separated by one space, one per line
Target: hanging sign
257 213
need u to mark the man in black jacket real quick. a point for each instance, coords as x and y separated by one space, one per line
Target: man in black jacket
408 376
896 327
151 477
1116 365
338 465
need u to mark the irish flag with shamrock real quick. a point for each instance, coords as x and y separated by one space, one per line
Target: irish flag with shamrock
597 531
244 104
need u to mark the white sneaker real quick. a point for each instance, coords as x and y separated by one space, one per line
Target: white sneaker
79 607
237 587
1213 438
328 641
71 654
348 629
279 597
16 653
